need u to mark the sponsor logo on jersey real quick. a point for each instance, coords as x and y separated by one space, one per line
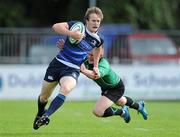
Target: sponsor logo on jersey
85 46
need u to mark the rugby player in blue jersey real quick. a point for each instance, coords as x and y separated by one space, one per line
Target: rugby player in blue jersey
64 69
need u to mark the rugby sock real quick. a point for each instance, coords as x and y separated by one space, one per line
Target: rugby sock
131 103
41 107
112 111
55 104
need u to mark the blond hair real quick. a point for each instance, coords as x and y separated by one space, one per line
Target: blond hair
95 10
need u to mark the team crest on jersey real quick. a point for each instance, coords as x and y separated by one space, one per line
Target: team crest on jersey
93 42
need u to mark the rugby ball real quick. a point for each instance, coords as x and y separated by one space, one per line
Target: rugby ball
81 27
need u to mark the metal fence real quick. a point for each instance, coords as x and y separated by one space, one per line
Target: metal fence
19 45
38 45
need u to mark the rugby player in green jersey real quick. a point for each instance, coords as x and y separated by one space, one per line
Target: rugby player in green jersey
112 91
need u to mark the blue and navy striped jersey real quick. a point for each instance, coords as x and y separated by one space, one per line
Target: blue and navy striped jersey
77 53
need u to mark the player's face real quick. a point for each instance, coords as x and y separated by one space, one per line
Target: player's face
93 23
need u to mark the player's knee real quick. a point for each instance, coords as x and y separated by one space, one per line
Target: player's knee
98 112
65 89
122 101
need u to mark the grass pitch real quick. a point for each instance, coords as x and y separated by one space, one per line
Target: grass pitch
75 119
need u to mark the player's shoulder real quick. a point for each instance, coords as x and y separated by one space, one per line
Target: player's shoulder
101 37
104 61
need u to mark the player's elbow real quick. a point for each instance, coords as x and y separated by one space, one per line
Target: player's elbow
55 26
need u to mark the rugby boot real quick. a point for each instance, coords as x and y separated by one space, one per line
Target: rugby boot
142 110
44 120
35 126
126 115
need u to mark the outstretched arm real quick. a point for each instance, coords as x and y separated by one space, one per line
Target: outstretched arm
96 55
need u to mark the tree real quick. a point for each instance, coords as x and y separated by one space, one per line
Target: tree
144 14
12 14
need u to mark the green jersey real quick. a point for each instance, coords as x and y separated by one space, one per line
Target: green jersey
108 78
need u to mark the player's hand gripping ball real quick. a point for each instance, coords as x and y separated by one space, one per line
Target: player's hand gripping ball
77 26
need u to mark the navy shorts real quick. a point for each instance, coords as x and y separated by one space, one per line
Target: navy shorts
56 70
115 93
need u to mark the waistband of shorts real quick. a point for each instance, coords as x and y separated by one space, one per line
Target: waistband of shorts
68 64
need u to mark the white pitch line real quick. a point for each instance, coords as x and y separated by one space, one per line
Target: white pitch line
141 129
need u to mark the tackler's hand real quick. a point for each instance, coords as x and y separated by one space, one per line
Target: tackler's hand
96 71
60 43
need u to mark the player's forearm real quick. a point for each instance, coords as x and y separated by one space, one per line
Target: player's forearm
88 73
96 55
62 28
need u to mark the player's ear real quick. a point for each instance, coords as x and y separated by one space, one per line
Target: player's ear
85 19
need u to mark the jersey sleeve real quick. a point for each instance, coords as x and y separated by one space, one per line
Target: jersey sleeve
70 23
104 67
101 43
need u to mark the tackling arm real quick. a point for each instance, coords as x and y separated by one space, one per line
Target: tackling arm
96 56
86 72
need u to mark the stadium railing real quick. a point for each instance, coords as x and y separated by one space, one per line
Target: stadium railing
38 45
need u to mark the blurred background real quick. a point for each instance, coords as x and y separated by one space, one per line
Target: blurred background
141 40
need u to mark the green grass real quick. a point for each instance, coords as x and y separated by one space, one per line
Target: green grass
75 119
